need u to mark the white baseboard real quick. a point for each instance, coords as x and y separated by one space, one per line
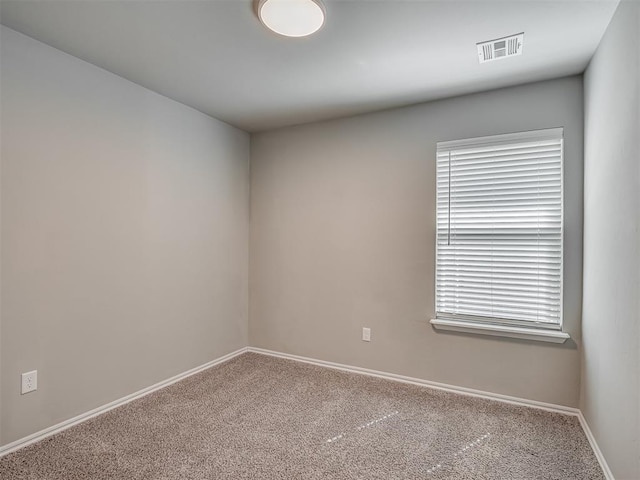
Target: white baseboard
424 383
36 437
455 389
596 449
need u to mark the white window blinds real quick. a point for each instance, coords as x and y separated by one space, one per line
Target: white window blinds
499 231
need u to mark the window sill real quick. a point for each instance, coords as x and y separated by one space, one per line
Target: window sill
553 336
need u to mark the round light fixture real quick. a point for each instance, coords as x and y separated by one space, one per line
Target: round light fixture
292 18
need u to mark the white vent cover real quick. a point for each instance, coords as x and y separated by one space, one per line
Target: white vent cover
500 48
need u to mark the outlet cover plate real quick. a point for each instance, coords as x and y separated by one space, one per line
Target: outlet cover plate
366 334
29 382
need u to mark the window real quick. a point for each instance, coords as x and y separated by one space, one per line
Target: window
499 233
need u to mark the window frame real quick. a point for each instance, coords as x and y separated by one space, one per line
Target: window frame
545 331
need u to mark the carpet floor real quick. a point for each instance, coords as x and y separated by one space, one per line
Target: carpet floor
259 417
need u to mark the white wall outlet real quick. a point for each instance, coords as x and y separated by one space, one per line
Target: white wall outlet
366 334
29 382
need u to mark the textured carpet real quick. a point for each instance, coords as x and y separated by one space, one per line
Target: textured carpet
262 417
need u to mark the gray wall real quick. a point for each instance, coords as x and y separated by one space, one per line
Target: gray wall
124 236
611 310
343 231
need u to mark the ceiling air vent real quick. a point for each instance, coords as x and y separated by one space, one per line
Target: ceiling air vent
500 48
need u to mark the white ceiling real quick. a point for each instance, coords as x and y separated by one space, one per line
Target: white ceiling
216 56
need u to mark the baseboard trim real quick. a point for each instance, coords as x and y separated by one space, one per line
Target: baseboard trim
523 402
424 383
608 475
47 432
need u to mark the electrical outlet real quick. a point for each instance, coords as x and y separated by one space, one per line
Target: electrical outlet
29 382
366 334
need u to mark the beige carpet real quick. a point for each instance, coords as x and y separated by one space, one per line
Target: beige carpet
260 417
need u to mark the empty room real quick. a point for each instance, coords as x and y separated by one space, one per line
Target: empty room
320 239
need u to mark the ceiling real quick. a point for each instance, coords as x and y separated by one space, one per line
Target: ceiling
216 56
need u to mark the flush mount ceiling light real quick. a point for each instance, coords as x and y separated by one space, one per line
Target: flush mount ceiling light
292 18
